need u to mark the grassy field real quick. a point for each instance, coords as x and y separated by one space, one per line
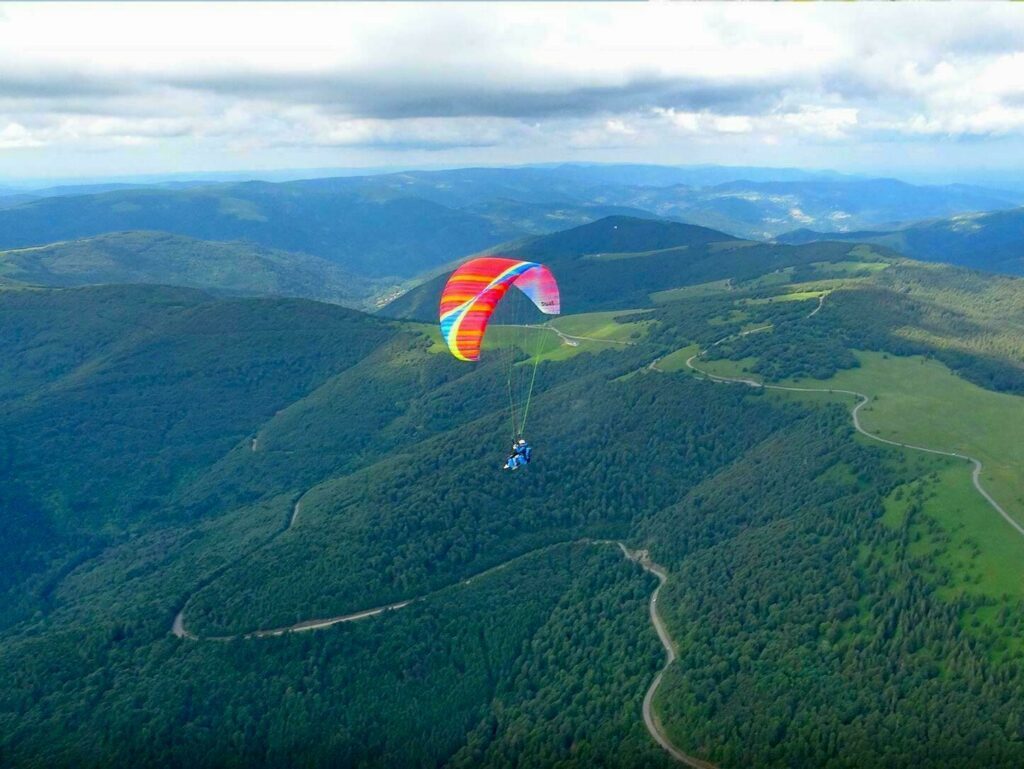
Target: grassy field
676 361
529 340
824 276
849 268
692 292
793 296
602 328
610 257
771 279
729 368
921 402
612 325
957 530
432 332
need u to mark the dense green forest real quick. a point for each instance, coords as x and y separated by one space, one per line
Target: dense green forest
174 260
245 464
618 263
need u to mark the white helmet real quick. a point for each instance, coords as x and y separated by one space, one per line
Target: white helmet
522 441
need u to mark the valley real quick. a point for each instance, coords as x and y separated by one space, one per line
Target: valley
511 386
320 504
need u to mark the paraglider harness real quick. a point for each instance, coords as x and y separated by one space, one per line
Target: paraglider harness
521 455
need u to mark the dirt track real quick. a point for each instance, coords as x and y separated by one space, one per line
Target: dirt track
651 720
855 414
640 557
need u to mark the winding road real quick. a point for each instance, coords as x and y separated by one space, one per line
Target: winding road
179 630
651 720
855 414
640 557
178 626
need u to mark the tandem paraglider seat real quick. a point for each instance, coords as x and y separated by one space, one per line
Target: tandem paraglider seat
521 455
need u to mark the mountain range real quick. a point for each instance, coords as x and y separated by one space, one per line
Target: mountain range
245 527
992 241
389 229
161 258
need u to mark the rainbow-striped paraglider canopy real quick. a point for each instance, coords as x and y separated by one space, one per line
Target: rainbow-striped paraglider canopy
474 290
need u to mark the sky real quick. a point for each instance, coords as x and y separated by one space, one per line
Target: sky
918 89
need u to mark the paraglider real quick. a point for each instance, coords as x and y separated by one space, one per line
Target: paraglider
521 455
468 302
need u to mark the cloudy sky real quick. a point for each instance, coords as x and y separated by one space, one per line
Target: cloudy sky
109 89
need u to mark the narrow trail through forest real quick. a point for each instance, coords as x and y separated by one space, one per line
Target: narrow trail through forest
178 625
179 630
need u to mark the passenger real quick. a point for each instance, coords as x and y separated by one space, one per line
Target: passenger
521 455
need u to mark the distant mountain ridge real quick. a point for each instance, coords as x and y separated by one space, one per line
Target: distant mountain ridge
370 228
392 237
400 225
985 241
162 258
764 209
618 262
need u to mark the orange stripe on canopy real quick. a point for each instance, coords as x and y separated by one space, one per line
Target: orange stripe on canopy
474 290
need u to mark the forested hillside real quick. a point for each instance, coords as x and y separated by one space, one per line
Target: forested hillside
400 225
180 471
159 258
398 237
372 227
115 396
620 262
983 241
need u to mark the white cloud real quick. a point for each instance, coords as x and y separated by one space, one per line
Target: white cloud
620 127
733 124
16 136
688 122
824 122
660 80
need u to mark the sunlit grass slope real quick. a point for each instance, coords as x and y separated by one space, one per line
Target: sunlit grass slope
613 325
588 332
952 527
920 401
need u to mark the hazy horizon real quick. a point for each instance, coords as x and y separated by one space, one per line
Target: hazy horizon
1007 179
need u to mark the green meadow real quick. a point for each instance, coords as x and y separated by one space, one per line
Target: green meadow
794 296
676 361
602 329
921 402
956 530
612 325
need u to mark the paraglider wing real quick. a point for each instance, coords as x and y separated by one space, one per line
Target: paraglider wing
474 290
